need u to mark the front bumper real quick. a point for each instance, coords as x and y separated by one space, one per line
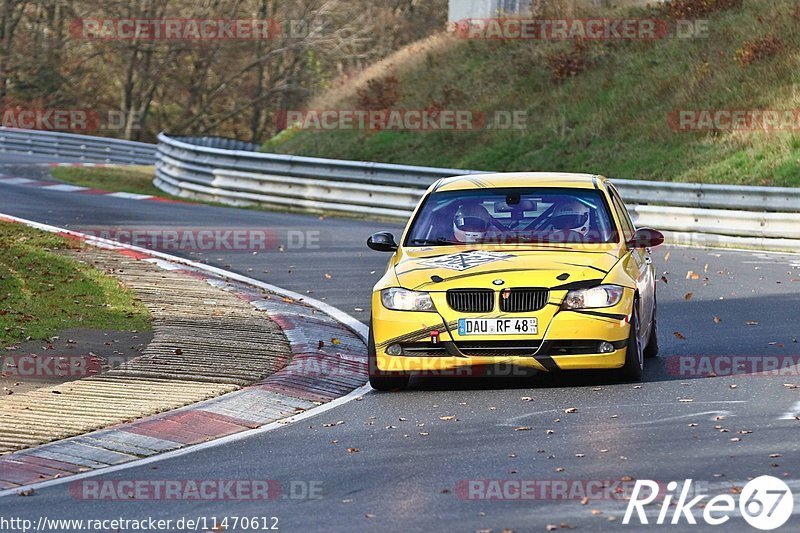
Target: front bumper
567 340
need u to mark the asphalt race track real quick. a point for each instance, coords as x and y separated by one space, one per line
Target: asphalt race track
418 449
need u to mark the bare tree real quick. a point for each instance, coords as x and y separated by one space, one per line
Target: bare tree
223 87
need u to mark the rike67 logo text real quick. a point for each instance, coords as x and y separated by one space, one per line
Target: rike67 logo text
765 503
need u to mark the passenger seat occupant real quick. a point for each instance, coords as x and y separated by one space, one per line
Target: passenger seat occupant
571 215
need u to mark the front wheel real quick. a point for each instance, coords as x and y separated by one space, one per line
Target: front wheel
651 350
380 379
634 356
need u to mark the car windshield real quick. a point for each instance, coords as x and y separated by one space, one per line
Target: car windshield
512 216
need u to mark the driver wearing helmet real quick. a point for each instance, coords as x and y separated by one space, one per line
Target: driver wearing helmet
471 223
571 215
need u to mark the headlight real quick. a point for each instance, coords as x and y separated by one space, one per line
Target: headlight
602 296
405 300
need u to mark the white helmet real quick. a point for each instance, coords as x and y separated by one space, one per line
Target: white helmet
571 215
471 224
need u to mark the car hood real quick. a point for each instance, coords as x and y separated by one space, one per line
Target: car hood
442 268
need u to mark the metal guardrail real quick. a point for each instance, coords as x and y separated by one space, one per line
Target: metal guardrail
83 147
207 160
711 196
223 143
722 215
233 172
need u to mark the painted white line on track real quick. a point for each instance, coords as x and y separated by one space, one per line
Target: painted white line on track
786 254
711 414
794 414
130 195
64 187
360 329
514 420
17 181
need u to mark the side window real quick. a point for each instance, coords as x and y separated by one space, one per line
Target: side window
622 214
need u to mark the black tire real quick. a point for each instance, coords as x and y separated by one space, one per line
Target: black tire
380 379
634 356
651 350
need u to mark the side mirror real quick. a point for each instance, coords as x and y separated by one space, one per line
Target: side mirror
382 242
646 238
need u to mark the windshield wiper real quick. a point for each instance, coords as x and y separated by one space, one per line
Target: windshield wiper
427 242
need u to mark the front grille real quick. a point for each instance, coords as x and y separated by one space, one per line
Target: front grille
471 300
523 300
474 348
499 348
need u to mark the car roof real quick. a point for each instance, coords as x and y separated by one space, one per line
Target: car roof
520 179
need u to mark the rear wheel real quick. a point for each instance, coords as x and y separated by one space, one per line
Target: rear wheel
634 356
380 379
651 350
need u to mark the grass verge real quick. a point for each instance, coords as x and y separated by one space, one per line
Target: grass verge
611 118
43 292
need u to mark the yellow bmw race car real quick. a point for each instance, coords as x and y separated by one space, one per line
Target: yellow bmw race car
537 270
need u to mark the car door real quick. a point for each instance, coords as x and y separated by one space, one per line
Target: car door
643 264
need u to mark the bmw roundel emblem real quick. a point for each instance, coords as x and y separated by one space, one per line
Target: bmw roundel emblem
498 282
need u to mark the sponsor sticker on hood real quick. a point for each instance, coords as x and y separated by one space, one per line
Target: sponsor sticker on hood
466 260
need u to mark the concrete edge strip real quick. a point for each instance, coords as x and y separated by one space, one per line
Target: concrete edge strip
191 449
100 165
291 394
59 186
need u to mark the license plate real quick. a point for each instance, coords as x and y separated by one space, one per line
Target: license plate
498 326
